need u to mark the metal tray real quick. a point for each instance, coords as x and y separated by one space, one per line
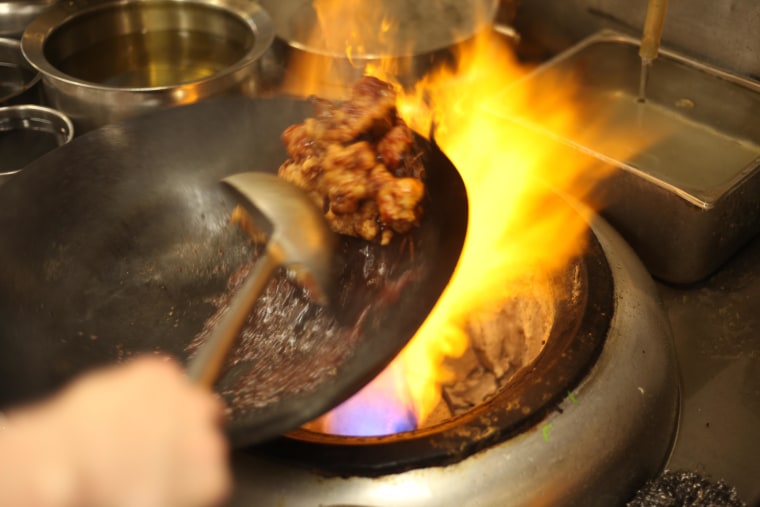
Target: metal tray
689 200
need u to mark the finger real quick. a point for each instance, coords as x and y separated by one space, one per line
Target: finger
203 475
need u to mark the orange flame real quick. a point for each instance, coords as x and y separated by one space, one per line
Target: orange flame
514 232
512 173
340 31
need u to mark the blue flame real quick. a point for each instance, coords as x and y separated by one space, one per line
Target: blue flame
376 410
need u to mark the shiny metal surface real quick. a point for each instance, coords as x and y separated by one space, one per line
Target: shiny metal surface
16 14
687 201
601 444
28 132
413 37
716 327
19 81
102 61
413 26
720 33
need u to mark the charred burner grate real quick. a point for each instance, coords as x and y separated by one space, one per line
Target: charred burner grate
502 342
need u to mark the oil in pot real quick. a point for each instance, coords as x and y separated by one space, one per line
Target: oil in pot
153 59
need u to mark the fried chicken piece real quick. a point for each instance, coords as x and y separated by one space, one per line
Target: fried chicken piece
393 148
371 109
398 201
362 223
344 180
358 161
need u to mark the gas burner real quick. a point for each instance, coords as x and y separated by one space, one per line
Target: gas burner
587 423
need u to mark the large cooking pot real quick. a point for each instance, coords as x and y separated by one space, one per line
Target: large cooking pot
16 14
410 37
19 82
120 243
106 60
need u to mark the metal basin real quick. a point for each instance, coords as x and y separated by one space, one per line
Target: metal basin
411 37
26 133
105 61
687 199
19 82
16 14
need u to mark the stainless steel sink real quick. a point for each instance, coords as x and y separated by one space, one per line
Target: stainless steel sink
686 161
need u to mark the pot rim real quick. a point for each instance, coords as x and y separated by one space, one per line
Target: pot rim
14 46
43 26
14 15
282 11
579 333
32 114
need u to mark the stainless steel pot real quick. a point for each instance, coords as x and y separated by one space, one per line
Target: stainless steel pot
16 14
410 36
389 28
19 82
26 133
103 61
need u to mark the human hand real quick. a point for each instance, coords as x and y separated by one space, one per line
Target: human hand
135 435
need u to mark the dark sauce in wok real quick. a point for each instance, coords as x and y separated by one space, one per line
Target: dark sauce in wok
289 343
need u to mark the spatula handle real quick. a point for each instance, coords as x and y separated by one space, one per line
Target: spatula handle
204 368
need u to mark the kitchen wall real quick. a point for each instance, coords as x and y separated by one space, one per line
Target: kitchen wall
724 33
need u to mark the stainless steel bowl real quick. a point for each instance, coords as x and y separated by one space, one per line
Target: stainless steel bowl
102 61
18 80
424 35
16 14
27 132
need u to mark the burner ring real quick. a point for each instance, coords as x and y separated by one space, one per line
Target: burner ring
577 336
596 448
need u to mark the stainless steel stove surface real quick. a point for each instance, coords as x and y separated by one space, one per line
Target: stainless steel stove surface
716 329
715 325
600 451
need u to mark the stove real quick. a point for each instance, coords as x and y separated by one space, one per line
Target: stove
674 385
716 329
600 437
686 397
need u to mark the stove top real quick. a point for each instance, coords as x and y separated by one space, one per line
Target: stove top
716 329
614 431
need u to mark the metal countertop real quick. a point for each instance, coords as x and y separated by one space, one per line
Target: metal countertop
716 328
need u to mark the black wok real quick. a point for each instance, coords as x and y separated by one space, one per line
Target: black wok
119 243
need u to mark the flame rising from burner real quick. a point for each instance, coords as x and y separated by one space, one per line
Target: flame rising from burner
514 231
351 38
479 112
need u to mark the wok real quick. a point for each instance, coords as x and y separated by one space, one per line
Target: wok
119 243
